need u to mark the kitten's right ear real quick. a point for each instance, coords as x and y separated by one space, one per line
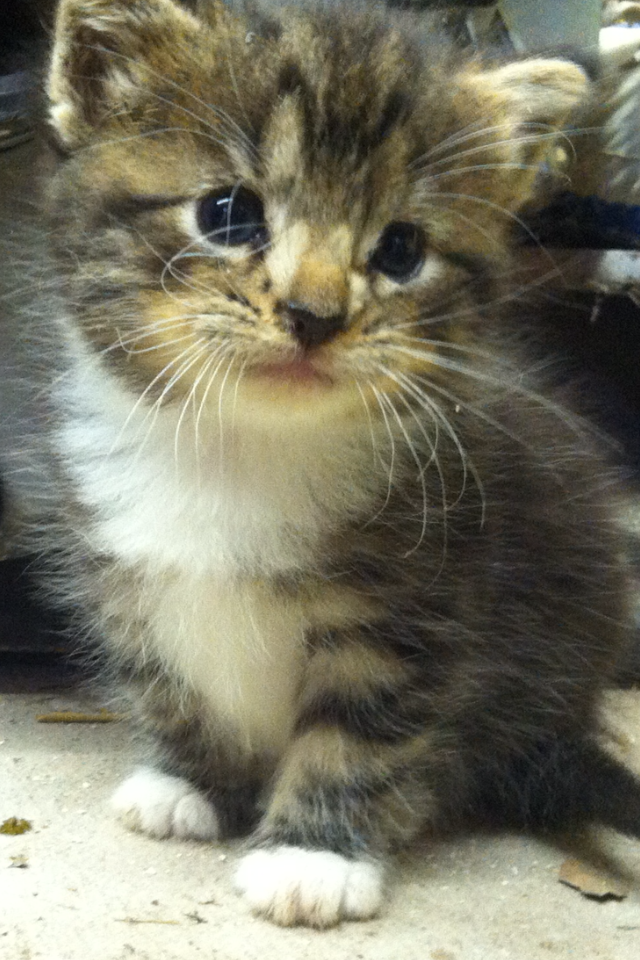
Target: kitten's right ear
99 55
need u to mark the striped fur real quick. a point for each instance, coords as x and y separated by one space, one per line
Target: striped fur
358 588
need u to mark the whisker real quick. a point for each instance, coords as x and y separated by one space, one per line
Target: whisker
222 352
220 411
188 399
502 383
220 115
460 137
392 461
532 138
124 344
456 171
495 206
113 141
512 294
432 444
374 446
438 414
421 467
175 378
243 367
140 400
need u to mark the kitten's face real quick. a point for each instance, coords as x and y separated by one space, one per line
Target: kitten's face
290 215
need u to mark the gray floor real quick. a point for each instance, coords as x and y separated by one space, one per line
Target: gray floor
79 887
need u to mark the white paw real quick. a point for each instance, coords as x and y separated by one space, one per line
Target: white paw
163 806
290 885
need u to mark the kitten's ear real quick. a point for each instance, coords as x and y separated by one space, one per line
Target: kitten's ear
99 55
530 100
542 91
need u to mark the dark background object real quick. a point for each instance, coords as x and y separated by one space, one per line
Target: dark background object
571 221
596 341
23 26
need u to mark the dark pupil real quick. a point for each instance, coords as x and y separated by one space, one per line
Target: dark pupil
400 251
232 217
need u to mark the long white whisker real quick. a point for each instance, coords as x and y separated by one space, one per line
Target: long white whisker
192 399
123 344
220 115
235 393
220 355
457 139
374 446
220 411
152 133
532 138
460 137
143 395
438 414
191 354
392 462
233 128
495 206
431 443
514 383
175 378
471 310
422 468
189 397
456 171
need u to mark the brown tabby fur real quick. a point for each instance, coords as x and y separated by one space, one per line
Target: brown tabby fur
442 544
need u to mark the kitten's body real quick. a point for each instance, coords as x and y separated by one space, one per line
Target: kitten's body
354 572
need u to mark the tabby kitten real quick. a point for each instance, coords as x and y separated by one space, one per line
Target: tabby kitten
349 562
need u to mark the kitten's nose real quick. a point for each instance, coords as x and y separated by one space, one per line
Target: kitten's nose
309 329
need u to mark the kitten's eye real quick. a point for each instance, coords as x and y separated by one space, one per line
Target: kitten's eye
232 216
400 251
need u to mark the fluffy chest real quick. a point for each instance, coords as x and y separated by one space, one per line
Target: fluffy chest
206 528
240 648
167 493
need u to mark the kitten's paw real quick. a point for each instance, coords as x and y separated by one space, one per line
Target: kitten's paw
162 806
290 885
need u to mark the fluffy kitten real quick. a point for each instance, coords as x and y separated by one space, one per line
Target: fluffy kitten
352 567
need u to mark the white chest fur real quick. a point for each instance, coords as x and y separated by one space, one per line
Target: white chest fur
208 524
240 648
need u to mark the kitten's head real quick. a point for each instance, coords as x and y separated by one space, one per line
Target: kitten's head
307 207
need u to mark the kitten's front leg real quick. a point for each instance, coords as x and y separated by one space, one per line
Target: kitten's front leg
194 785
349 788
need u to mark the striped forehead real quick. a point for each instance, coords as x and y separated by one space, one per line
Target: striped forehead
340 120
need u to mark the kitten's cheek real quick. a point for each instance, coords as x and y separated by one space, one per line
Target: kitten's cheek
291 885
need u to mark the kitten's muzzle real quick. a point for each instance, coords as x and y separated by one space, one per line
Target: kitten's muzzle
306 327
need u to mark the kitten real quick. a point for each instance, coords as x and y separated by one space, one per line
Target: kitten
351 565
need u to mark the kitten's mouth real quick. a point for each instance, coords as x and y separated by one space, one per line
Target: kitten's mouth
300 370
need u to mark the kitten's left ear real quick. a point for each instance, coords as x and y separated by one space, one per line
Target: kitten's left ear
105 53
529 100
537 90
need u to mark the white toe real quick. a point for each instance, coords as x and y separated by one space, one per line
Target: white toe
291 885
362 895
163 806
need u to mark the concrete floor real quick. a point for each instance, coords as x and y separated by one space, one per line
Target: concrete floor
79 887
